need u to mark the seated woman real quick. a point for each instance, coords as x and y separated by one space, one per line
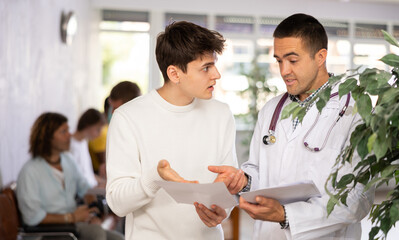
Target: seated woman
48 183
89 127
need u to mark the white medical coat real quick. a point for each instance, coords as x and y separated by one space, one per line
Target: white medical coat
288 161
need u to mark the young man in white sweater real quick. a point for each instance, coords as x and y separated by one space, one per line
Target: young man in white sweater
179 126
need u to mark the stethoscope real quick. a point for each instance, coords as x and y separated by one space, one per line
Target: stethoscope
270 138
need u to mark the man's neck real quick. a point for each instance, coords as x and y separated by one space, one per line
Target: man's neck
320 81
174 95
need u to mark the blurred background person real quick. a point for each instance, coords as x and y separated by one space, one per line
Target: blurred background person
48 183
122 93
97 145
89 127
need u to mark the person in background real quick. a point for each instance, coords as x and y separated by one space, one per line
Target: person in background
122 93
48 183
90 125
179 122
97 145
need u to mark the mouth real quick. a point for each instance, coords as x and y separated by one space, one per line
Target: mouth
211 88
289 82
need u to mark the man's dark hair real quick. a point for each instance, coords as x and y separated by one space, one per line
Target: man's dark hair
42 133
305 27
183 42
125 91
89 118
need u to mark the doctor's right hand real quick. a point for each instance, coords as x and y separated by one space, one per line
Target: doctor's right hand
234 178
168 174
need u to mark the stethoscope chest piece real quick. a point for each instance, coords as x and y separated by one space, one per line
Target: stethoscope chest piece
270 138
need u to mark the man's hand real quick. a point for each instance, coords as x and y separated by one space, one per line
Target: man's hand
168 174
267 209
211 218
234 179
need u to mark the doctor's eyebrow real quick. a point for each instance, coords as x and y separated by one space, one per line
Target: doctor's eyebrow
287 55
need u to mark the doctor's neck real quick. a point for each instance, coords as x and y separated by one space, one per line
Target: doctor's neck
319 81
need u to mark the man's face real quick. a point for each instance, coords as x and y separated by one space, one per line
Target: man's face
61 139
298 69
200 77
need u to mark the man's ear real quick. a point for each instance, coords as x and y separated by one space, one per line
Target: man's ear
173 74
321 56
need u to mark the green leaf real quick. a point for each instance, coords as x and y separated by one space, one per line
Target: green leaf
343 198
345 180
390 96
347 86
331 204
389 38
364 107
287 111
391 60
373 232
362 147
380 147
394 213
371 141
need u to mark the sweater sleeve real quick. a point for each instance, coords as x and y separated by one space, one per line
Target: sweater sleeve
128 188
308 220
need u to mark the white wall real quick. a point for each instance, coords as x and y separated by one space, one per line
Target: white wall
39 73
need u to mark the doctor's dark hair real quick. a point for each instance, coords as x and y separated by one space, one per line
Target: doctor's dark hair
183 42
42 133
89 118
306 27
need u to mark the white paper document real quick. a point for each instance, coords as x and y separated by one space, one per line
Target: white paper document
207 194
295 192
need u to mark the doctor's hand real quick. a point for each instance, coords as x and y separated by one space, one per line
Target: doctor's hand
267 209
234 179
168 174
211 217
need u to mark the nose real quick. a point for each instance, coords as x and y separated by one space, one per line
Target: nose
216 74
285 69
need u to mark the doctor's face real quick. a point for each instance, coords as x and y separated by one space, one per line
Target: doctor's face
297 67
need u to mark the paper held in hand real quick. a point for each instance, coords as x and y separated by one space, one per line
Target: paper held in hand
296 192
207 194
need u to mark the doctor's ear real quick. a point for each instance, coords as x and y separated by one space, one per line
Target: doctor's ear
321 56
173 74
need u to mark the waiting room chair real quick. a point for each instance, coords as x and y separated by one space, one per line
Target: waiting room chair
11 227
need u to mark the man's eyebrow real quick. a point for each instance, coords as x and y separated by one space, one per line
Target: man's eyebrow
208 64
286 55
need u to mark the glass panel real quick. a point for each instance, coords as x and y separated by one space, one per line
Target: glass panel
396 31
236 57
268 25
338 57
336 29
122 16
368 55
370 31
125 56
197 19
235 24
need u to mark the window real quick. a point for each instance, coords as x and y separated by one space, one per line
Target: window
235 24
197 19
370 31
125 40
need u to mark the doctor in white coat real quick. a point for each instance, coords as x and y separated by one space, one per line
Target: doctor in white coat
300 48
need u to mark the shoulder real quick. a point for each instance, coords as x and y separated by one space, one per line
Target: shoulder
31 167
269 107
214 106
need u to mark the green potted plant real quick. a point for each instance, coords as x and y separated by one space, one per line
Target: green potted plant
376 139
